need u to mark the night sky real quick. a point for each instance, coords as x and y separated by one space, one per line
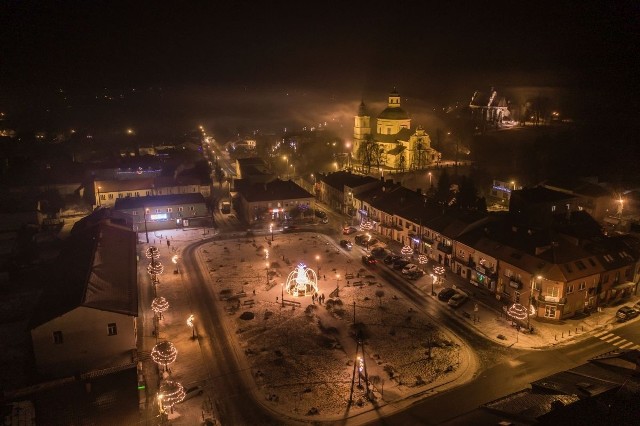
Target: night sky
337 51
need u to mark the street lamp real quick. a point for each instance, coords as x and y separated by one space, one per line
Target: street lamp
430 184
337 285
174 259
318 264
190 323
439 271
271 230
284 157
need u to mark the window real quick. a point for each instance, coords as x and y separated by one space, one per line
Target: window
112 329
516 296
582 285
128 194
550 311
569 288
157 210
148 193
103 197
111 196
57 337
605 278
180 209
169 210
553 291
192 208
580 264
591 262
508 273
553 208
134 213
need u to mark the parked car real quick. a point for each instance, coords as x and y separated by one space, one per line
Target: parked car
400 263
457 300
409 267
446 293
626 313
322 215
361 239
637 306
390 259
379 252
346 244
348 230
369 260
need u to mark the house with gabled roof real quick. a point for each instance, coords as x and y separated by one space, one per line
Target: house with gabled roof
593 198
445 229
85 319
273 201
338 189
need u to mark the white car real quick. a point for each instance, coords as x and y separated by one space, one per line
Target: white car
409 267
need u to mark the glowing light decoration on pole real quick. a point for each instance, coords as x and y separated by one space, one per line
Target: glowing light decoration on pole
174 259
164 353
406 251
159 305
171 393
191 323
302 281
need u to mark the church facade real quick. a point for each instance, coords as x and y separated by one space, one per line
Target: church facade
394 144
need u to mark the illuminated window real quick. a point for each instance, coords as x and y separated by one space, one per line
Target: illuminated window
112 328
553 208
180 209
569 288
582 285
57 337
134 213
111 196
169 210
550 311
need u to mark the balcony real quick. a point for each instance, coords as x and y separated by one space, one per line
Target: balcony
552 299
466 262
445 249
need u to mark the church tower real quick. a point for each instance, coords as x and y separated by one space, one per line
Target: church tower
361 127
393 118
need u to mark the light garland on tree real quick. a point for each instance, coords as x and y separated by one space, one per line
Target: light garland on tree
406 251
155 268
439 271
171 393
366 225
159 305
422 259
152 252
164 353
517 311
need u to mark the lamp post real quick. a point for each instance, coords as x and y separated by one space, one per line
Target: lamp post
99 195
190 323
266 258
439 271
337 285
285 158
282 296
271 230
430 184
318 264
174 259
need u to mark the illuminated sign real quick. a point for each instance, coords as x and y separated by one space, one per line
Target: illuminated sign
160 216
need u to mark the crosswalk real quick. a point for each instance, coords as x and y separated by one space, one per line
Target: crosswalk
615 340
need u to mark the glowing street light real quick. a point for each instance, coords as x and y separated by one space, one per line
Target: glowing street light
439 273
285 158
174 259
430 184
130 131
271 230
318 263
191 323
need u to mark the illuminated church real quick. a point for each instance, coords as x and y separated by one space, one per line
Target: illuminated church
398 146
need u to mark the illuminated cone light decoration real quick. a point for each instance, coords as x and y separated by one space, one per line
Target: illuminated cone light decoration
171 393
422 259
159 305
366 225
302 281
164 353
152 252
406 251
439 271
518 312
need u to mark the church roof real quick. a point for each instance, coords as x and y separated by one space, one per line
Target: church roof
393 113
362 110
402 135
397 150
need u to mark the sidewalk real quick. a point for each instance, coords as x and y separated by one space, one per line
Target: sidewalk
484 312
